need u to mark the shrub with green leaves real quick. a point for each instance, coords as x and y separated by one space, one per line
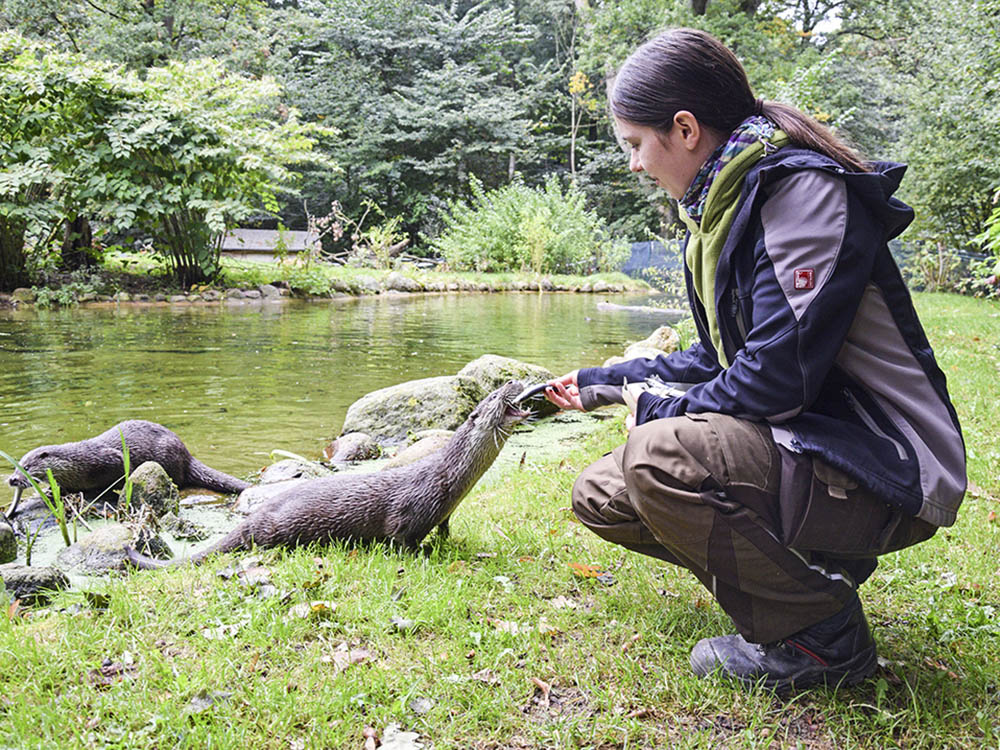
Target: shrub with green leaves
518 228
181 152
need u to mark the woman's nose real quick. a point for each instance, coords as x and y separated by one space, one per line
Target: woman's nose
634 164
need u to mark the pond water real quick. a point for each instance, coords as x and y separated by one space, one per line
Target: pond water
237 381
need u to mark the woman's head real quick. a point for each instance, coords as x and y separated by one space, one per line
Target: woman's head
682 69
690 70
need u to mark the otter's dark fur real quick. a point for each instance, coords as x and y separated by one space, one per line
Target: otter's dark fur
98 463
400 505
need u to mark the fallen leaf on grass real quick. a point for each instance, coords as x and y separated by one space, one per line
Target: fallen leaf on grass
14 610
628 644
109 673
421 706
992 517
205 700
399 624
371 738
343 657
544 688
487 676
255 576
525 558
238 567
941 666
319 576
563 602
221 632
585 571
304 610
510 626
976 491
640 713
396 739
545 629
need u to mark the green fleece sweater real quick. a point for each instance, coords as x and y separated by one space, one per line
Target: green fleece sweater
707 238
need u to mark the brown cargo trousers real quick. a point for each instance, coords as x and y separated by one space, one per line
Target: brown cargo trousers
781 540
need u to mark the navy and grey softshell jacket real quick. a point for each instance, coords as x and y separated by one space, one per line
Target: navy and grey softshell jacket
821 334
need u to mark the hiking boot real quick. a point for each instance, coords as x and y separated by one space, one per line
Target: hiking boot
836 651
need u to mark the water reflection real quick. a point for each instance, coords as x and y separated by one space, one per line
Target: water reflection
235 381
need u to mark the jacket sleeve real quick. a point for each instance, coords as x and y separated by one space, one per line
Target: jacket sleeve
811 268
600 386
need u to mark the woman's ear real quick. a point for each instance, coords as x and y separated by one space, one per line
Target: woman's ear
688 129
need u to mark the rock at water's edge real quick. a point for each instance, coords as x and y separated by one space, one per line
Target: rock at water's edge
420 449
8 543
104 550
290 468
32 585
152 486
491 371
254 496
389 414
354 446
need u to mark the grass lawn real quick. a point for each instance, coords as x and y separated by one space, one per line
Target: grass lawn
494 640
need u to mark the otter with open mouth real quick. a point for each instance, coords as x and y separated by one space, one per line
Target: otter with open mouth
400 505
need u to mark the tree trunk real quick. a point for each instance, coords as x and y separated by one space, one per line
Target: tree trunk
76 246
749 7
698 7
12 271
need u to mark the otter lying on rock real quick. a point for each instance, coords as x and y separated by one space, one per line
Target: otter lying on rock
400 505
98 463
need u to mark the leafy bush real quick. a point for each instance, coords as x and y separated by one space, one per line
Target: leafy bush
518 228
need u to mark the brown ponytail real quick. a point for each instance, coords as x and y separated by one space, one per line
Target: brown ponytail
689 69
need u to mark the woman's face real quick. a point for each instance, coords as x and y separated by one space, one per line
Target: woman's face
671 159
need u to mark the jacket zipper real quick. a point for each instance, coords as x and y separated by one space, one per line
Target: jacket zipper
870 423
738 315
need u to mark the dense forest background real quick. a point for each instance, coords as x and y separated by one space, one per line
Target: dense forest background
172 119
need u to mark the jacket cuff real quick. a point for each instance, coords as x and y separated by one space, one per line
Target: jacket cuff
649 406
594 392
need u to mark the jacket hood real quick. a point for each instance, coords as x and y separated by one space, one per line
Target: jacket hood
875 188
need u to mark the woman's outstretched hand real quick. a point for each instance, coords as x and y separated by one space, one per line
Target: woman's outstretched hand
564 392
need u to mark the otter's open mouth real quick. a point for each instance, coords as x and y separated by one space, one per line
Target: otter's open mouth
513 411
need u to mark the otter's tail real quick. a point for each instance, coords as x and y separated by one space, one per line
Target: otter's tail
144 562
200 475
234 540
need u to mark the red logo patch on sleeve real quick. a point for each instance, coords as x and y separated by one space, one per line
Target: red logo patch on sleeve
805 278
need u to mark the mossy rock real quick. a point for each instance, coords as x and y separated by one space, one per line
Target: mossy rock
153 487
8 543
104 549
388 415
491 371
32 585
433 441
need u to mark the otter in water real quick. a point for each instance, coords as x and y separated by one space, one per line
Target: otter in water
98 463
400 505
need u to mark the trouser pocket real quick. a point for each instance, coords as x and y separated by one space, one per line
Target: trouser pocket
824 510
